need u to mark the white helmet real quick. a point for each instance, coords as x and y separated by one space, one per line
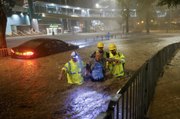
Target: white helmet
74 54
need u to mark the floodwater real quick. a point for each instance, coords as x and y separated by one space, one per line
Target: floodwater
30 89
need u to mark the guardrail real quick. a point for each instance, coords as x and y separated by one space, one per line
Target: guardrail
99 37
133 99
4 52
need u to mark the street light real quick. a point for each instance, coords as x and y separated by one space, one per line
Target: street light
43 15
97 5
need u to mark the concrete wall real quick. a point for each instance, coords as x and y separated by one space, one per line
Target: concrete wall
16 19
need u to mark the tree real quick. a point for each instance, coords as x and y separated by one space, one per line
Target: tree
170 13
5 9
169 3
126 4
146 11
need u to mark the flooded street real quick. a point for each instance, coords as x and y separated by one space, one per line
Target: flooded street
30 89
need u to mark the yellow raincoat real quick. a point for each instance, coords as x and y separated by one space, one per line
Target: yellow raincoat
74 71
116 68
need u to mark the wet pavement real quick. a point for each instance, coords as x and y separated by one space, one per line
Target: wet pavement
30 89
78 38
166 101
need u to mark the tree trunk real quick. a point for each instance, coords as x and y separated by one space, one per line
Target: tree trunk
127 21
147 24
127 24
3 21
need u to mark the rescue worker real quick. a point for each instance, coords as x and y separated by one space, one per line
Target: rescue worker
96 67
116 61
73 69
100 46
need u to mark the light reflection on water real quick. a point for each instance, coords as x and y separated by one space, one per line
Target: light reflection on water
29 69
29 81
83 43
86 103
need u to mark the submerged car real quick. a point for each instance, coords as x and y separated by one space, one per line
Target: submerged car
40 47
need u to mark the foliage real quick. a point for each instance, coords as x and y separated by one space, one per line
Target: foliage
169 3
126 5
7 5
5 9
146 11
144 7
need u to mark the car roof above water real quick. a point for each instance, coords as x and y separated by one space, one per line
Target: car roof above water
44 39
38 41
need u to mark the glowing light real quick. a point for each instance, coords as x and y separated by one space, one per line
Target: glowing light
142 22
76 57
29 53
43 15
78 8
74 15
173 22
52 4
97 5
12 50
22 14
30 63
67 6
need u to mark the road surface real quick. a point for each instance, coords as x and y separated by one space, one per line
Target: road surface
30 89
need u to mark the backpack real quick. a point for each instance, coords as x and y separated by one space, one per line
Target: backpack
97 72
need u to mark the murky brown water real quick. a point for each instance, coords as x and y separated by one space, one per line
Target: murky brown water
30 89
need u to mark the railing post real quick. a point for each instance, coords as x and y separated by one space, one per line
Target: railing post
111 107
4 52
146 88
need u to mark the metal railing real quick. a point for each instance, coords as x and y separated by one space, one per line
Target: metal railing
4 52
133 99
